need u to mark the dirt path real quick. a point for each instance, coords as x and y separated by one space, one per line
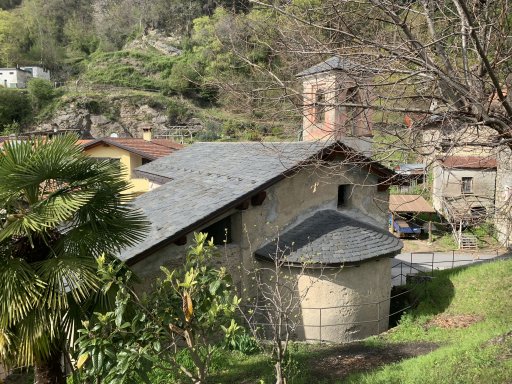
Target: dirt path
340 361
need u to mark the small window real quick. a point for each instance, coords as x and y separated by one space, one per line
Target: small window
342 195
320 105
467 185
353 97
11 73
220 231
478 212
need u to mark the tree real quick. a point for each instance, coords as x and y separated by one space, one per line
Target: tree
188 310
14 107
426 57
41 92
59 211
423 64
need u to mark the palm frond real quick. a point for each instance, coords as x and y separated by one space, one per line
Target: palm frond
59 210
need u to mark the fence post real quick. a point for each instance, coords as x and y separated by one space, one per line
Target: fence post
320 326
432 270
453 257
378 318
401 273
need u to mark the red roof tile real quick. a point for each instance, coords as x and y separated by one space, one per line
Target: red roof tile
148 149
469 162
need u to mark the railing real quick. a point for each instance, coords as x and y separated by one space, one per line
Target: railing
378 314
321 330
438 260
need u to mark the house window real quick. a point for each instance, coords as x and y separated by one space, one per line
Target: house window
467 185
343 192
220 231
320 105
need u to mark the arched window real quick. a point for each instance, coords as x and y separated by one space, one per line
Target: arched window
352 97
320 105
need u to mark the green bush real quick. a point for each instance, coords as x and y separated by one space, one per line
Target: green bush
15 107
41 92
177 111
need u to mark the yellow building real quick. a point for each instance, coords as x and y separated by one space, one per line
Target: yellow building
131 153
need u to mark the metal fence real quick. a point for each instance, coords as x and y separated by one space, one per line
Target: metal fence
427 262
416 274
320 324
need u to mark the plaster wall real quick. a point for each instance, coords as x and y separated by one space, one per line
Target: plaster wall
128 161
447 183
337 304
38 72
287 203
463 141
503 215
338 121
14 78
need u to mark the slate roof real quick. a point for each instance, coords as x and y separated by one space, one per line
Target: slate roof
475 162
330 237
148 149
206 180
333 63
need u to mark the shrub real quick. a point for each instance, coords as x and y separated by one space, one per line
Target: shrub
186 312
41 92
15 107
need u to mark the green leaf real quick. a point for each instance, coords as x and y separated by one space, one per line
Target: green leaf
214 286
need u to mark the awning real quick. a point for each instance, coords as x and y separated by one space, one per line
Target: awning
409 203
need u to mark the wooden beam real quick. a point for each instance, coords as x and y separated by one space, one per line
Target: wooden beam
243 206
181 240
258 198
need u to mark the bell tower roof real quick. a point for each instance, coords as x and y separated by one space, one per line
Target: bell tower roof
333 63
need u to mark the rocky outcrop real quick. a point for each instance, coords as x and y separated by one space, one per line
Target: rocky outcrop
124 118
157 40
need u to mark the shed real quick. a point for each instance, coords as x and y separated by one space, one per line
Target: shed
406 207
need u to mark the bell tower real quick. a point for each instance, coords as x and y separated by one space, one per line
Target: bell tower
335 95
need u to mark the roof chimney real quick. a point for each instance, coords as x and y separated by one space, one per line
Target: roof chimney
146 133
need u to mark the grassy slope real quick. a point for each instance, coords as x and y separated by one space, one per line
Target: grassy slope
466 355
131 68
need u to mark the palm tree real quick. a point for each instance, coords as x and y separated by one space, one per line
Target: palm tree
59 212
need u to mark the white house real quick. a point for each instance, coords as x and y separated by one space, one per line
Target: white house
38 72
18 77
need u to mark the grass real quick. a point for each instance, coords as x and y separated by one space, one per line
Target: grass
466 355
135 69
478 353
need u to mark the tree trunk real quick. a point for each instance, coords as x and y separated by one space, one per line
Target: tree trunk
280 379
50 370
